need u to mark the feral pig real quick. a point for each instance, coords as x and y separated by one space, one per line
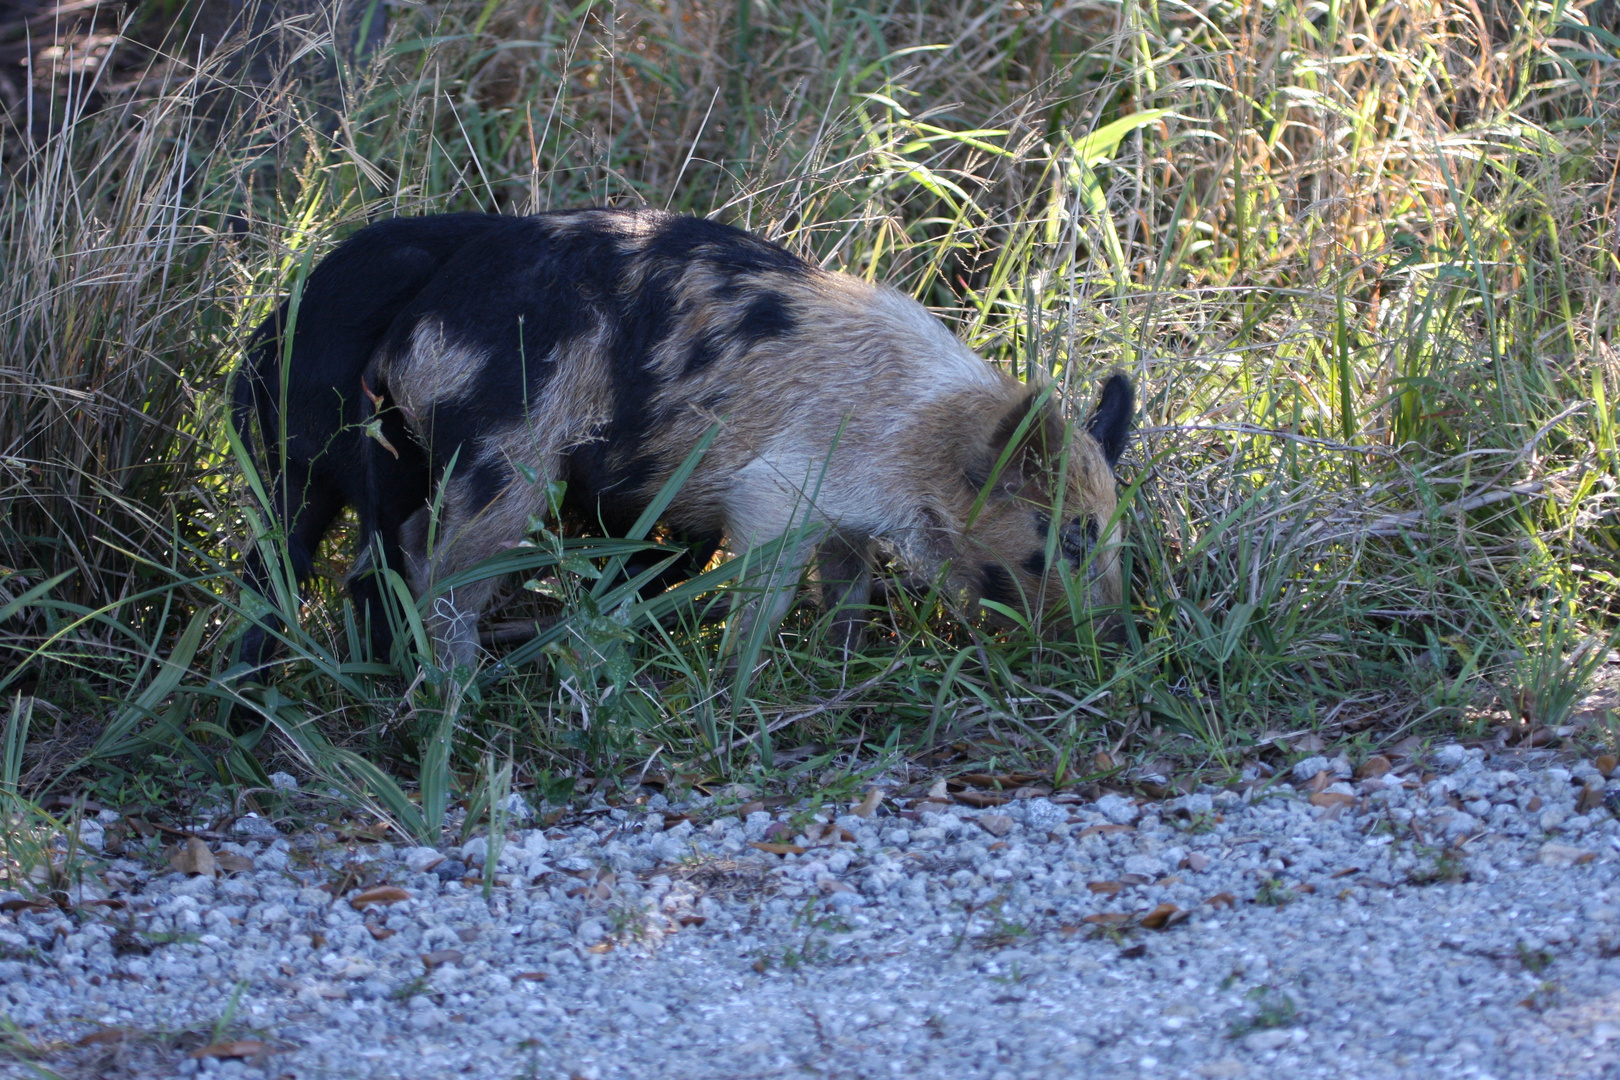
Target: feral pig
311 406
597 347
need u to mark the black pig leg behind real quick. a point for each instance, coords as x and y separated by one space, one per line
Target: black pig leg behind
310 504
396 488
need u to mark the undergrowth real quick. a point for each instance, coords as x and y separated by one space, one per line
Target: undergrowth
1359 258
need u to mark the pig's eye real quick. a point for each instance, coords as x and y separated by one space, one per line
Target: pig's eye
1078 537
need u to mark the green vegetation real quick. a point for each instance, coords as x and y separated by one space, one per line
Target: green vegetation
1359 257
1273 1009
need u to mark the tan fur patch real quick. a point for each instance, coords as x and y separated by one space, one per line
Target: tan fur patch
440 370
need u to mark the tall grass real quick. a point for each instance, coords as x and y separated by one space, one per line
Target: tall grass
1359 257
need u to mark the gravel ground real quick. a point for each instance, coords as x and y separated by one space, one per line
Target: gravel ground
1456 919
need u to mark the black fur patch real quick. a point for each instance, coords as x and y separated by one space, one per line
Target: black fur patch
767 317
730 251
485 480
998 585
705 350
1036 563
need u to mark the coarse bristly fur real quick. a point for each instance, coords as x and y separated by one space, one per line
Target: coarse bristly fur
306 403
597 347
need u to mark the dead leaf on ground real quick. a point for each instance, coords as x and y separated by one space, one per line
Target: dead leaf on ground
382 894
1606 765
778 849
1164 917
869 805
441 957
529 976
1377 765
1106 888
982 798
37 907
232 1048
1133 952
1135 879
1222 899
1320 781
937 791
1554 854
193 857
103 1037
1591 798
1107 918
1304 887
600 947
1332 798
232 863
112 903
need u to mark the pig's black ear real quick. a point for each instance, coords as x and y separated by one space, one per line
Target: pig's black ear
1110 422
